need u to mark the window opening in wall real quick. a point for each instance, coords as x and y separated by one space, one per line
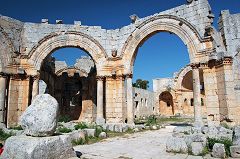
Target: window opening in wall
168 104
202 102
192 101
136 104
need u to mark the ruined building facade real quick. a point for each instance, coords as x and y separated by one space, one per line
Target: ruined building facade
25 46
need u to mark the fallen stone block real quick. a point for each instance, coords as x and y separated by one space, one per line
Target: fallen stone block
89 132
218 151
197 148
27 147
235 151
176 145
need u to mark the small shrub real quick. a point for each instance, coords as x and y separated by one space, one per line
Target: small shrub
98 130
80 141
225 125
139 121
81 126
152 120
130 131
17 127
4 136
204 151
64 130
64 118
186 133
227 143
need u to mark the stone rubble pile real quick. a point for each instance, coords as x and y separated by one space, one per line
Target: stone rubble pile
194 141
39 122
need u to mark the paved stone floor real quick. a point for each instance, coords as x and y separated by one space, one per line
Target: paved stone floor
143 145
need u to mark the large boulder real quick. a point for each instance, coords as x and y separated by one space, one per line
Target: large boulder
218 151
27 147
176 145
40 118
90 132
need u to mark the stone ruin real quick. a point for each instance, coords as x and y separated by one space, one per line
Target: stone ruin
106 93
196 140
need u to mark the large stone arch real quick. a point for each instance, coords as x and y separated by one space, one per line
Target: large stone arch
165 23
166 103
6 49
181 75
54 41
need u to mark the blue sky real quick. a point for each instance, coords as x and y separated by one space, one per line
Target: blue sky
160 56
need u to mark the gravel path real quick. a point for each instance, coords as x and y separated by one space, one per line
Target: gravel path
143 145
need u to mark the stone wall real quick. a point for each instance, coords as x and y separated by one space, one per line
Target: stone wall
143 102
229 25
28 35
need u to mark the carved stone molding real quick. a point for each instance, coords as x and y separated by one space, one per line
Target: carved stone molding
204 65
129 75
100 78
35 77
224 61
3 75
116 77
195 65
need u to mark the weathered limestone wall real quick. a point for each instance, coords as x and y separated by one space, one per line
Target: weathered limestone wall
18 99
85 63
115 100
211 94
143 102
229 26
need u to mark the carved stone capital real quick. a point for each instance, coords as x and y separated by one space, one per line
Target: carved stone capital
3 75
100 78
120 77
129 75
35 77
225 61
195 65
204 65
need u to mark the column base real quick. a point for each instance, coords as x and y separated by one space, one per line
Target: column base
198 124
131 122
100 121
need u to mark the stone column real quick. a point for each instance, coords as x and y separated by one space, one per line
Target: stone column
100 120
197 96
35 87
2 96
130 112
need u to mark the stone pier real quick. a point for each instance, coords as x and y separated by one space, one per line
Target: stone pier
2 96
130 115
197 96
100 120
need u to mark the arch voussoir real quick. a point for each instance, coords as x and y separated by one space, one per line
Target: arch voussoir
79 40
